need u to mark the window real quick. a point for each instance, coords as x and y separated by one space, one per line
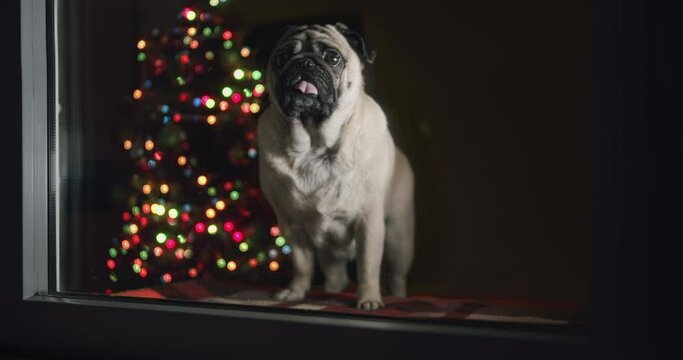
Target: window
491 189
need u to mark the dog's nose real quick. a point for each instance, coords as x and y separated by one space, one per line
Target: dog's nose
307 63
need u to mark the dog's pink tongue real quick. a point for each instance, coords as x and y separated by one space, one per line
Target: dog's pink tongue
306 87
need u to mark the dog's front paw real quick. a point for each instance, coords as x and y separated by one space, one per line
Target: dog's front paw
290 295
370 304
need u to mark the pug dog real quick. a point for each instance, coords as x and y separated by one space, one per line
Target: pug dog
340 189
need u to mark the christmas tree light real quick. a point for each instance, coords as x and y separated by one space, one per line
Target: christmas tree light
185 215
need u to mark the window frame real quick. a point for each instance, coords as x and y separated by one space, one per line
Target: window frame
40 198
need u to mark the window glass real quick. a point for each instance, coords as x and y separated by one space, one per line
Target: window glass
163 195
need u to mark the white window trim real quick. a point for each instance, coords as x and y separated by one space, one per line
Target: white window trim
34 147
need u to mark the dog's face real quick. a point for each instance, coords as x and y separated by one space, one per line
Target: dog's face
315 69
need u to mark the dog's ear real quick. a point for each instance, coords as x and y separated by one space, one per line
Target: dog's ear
357 43
267 38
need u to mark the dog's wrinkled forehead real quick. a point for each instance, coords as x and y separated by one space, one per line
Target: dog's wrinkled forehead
308 37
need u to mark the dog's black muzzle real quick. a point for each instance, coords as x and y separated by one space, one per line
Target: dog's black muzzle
306 90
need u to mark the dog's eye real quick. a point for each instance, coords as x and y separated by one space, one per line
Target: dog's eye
332 57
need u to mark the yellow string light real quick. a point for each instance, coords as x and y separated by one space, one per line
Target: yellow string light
202 180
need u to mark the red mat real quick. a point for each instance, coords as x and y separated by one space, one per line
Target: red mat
414 306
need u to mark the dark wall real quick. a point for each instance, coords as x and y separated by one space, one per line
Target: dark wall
100 71
489 99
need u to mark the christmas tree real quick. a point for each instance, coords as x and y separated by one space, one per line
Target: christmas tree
193 205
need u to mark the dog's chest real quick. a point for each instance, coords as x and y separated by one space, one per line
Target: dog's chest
321 187
319 181
323 198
